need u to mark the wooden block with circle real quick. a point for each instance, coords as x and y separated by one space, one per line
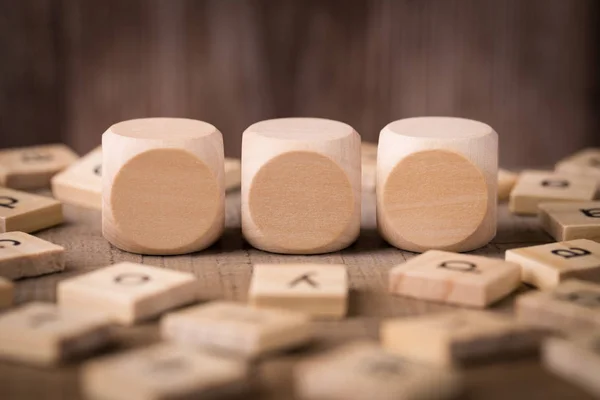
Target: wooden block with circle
320 290
32 167
368 153
7 292
128 292
535 187
573 305
23 255
26 212
45 334
506 182
583 163
576 359
81 183
165 176
437 180
571 220
364 371
301 185
545 266
236 328
454 278
233 173
163 372
459 337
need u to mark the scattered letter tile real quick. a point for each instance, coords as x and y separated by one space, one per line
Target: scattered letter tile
572 220
23 255
81 183
585 163
20 211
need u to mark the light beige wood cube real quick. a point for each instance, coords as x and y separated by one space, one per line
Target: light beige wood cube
44 334
573 305
369 166
437 180
545 266
320 290
455 278
81 183
363 371
233 173
7 292
583 163
301 185
576 360
32 167
163 185
459 337
572 220
535 187
21 211
506 182
23 255
236 328
128 292
163 372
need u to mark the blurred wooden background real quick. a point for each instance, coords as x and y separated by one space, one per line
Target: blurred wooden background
529 68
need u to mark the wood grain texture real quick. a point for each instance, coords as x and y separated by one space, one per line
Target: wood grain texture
224 272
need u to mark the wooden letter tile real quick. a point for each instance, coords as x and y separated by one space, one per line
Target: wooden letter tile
455 278
363 371
237 328
535 187
32 167
545 266
81 183
128 292
584 163
23 255
20 211
163 372
320 290
44 334
572 306
233 173
368 153
573 220
506 182
7 290
459 337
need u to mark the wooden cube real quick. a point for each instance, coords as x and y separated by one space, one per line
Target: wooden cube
237 328
545 266
32 167
572 220
535 187
7 292
576 360
584 163
368 153
233 173
363 371
163 185
437 181
23 255
44 334
320 290
163 371
506 182
128 292
571 306
20 211
81 183
455 278
301 185
459 337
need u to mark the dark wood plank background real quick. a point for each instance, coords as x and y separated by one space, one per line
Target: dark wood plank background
69 69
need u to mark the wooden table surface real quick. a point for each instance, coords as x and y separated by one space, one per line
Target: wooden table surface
224 272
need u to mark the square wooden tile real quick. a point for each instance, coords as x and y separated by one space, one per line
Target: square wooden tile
459 337
7 292
573 305
23 255
572 220
583 163
369 166
535 187
320 290
237 328
128 292
26 212
32 167
362 370
455 278
44 334
576 360
506 182
81 183
163 371
545 266
233 173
